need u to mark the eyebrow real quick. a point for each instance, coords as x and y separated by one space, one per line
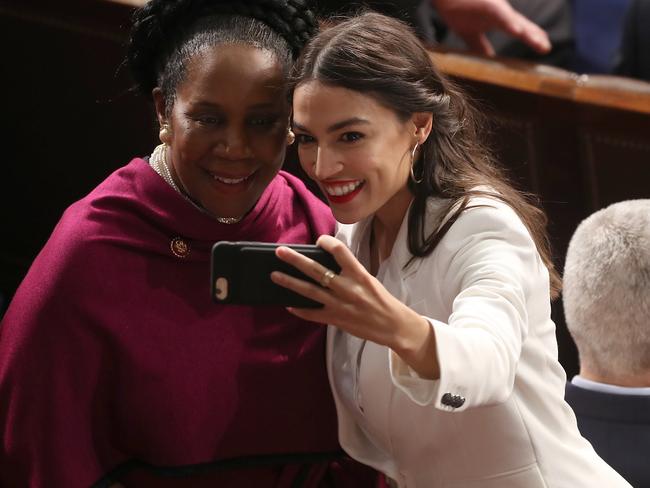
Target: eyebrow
336 126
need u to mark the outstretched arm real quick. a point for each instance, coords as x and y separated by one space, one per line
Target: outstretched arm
487 279
472 19
356 302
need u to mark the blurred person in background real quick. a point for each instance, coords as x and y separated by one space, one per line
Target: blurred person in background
537 30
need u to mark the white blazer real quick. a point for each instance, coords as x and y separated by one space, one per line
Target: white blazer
496 418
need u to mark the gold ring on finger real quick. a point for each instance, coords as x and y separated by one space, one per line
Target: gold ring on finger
327 277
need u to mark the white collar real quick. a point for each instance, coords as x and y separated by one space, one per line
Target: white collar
607 388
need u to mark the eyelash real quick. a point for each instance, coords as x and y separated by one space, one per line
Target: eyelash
304 139
256 122
263 121
348 137
207 120
351 136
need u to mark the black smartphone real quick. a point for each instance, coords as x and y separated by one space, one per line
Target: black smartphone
241 273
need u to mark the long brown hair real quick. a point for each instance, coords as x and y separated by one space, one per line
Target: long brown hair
381 57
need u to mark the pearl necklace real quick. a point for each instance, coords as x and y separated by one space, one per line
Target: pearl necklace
158 162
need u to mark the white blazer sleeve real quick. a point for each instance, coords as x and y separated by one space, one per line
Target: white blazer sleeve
489 261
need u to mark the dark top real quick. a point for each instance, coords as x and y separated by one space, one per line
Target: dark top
618 426
635 51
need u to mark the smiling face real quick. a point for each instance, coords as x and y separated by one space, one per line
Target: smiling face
357 150
228 127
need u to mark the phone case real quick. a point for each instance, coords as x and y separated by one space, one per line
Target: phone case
241 273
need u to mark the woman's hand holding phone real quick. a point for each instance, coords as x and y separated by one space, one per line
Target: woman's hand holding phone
356 302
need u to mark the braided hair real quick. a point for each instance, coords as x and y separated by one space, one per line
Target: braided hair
166 34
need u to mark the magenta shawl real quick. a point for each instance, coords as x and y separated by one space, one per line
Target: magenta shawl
116 365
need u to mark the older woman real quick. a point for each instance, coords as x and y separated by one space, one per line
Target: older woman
114 364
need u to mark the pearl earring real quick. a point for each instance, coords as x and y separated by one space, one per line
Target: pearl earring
291 137
165 134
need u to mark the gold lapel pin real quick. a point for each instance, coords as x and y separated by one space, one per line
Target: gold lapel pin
179 247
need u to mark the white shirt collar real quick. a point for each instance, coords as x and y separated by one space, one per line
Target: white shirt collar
607 388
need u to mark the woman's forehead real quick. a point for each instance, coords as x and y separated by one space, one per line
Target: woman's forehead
239 60
234 72
317 102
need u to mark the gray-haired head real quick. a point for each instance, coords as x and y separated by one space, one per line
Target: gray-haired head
607 289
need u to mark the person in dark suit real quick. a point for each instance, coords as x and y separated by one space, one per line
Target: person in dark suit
607 307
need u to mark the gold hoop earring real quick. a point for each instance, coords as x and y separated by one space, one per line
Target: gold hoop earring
416 181
291 137
165 134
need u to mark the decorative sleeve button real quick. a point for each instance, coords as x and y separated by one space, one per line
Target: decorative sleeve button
453 401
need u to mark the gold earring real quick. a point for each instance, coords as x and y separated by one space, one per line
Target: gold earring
416 181
165 134
291 137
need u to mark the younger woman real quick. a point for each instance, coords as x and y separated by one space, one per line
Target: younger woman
442 353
